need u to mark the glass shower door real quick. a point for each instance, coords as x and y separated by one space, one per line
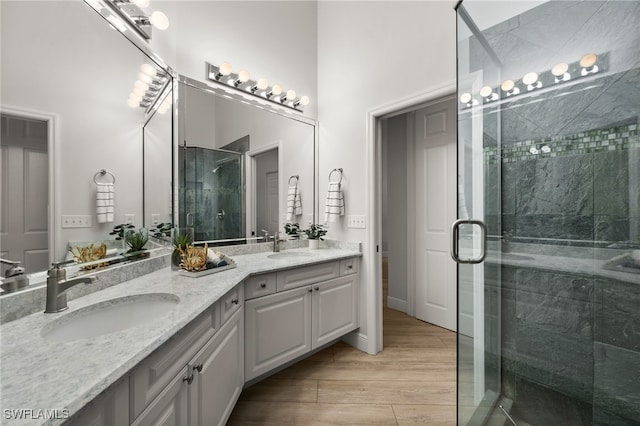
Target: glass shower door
477 233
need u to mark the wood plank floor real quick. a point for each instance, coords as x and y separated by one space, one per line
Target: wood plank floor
411 382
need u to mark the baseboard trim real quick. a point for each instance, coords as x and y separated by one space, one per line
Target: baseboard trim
359 341
397 304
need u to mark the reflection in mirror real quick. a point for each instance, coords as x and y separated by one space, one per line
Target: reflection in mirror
240 140
73 98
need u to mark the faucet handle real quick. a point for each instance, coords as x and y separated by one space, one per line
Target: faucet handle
266 234
57 265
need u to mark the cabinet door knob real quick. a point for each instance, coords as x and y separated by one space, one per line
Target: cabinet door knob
198 368
234 301
310 290
188 379
263 285
349 266
317 288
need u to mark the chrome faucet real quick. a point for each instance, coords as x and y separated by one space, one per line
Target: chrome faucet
57 287
276 242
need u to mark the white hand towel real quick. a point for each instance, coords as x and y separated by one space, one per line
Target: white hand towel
334 206
105 202
294 203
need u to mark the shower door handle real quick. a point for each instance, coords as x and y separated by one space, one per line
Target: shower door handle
455 241
189 219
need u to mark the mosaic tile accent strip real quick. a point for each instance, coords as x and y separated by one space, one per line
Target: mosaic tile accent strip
601 140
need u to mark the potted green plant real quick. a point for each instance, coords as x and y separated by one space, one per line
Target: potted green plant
181 239
315 232
292 230
136 240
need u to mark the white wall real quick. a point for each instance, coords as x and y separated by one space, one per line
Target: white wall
371 54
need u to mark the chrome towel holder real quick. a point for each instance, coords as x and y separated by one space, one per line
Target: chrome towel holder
296 177
102 173
339 170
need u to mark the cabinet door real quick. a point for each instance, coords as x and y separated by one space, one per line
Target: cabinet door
335 309
171 407
218 374
110 408
277 330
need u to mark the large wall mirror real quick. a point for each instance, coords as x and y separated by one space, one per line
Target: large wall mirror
238 162
65 119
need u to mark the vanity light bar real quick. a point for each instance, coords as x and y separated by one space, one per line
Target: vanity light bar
259 88
149 86
132 12
531 81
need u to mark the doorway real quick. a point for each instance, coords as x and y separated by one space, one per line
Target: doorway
264 180
24 192
418 194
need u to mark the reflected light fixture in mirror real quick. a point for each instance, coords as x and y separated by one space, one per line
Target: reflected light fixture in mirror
132 12
259 88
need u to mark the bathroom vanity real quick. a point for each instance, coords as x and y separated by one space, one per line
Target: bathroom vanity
189 364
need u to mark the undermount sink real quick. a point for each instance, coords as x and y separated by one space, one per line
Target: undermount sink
110 316
289 255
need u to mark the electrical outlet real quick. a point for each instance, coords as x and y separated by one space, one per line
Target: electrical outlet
155 218
357 221
76 221
129 219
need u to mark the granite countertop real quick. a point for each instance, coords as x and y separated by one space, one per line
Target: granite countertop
587 264
37 374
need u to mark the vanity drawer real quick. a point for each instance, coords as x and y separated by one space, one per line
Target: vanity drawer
156 371
299 277
230 303
349 266
259 285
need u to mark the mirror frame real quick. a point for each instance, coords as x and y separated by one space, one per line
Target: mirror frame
238 96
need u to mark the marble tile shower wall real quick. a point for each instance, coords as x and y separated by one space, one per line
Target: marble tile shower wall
578 193
570 342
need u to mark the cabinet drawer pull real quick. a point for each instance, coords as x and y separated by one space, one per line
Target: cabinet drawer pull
188 379
349 266
263 285
235 301
198 368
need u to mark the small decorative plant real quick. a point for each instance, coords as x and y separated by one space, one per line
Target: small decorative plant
136 240
315 232
292 229
181 241
162 231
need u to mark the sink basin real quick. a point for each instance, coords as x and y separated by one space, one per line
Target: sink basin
289 255
110 316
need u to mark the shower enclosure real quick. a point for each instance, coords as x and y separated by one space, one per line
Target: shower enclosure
211 193
548 240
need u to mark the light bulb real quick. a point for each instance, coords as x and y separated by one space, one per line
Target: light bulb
486 91
291 94
133 103
507 85
148 70
243 76
225 68
159 20
276 89
465 98
141 3
534 150
559 69
262 84
588 60
545 149
144 78
530 78
140 84
139 91
304 100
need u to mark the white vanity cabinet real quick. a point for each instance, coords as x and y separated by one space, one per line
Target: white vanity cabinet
196 378
109 408
312 306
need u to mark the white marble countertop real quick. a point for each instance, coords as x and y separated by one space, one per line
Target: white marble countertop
37 374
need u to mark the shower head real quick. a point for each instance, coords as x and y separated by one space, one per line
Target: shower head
216 169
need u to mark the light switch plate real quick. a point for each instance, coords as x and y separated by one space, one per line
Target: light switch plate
129 219
155 218
357 221
76 221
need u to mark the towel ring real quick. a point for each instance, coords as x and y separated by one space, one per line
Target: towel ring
101 173
296 177
339 170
